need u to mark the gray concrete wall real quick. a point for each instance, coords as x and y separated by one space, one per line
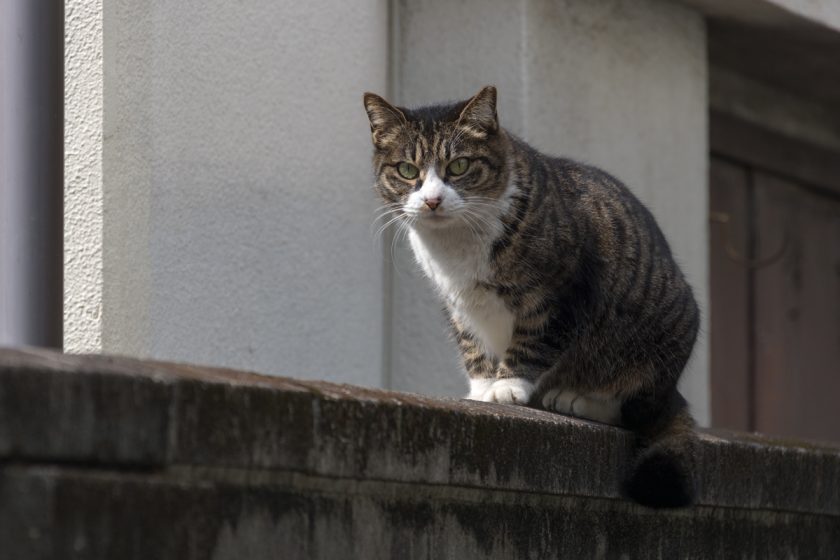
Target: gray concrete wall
237 185
135 460
617 83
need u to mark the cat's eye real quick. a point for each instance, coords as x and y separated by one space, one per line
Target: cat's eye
407 170
459 166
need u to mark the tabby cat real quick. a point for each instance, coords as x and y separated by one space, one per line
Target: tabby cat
559 285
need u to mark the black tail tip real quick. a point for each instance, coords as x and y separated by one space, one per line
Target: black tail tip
661 479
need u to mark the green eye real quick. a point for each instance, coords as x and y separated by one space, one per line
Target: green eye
459 166
407 170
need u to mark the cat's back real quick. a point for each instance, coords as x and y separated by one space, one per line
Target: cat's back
606 208
621 255
611 262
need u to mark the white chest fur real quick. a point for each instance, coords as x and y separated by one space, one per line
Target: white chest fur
457 262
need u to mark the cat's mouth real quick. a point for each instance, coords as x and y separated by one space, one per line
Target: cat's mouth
437 218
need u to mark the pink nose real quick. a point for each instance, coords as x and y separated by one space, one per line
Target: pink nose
433 203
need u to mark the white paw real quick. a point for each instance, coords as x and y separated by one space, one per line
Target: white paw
478 387
514 390
591 406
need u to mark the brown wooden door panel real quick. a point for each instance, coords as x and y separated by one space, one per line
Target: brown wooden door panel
775 322
729 277
797 310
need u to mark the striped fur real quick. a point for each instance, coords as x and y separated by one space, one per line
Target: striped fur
560 286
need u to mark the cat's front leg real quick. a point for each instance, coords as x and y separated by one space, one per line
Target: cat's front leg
517 374
480 368
509 390
512 381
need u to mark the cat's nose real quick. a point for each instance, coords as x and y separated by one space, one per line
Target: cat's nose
433 203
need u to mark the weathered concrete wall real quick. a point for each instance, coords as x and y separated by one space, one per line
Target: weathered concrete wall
134 460
617 83
236 184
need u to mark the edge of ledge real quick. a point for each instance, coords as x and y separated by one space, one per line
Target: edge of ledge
114 411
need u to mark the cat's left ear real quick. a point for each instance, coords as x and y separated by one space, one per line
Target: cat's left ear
479 116
386 121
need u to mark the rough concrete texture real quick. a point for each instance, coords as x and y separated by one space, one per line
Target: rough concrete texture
83 176
237 184
154 460
617 83
114 514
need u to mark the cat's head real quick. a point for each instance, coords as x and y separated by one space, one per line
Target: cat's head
440 165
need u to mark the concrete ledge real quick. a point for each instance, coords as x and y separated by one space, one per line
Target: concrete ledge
108 457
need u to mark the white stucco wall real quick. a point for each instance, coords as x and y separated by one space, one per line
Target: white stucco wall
237 185
83 176
617 83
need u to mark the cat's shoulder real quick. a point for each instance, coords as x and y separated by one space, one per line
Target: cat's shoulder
566 168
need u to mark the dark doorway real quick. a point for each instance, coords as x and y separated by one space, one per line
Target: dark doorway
775 282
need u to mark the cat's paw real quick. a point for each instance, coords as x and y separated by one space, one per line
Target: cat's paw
513 390
559 400
478 387
592 406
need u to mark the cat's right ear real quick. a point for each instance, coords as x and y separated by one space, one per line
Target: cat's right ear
386 121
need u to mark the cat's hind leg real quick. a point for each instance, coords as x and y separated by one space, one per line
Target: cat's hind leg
592 406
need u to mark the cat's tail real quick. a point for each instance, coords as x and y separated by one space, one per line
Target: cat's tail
663 472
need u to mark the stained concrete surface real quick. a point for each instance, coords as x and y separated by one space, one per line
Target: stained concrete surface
105 457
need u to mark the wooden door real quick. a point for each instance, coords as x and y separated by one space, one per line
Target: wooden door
775 284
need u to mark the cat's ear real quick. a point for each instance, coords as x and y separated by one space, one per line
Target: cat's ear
479 116
386 121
